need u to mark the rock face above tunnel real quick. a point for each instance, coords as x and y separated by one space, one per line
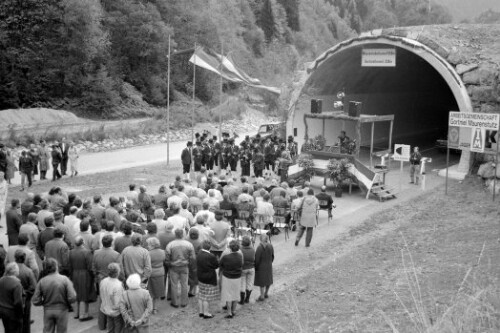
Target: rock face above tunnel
473 50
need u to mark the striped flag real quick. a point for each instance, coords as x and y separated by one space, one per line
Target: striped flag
225 67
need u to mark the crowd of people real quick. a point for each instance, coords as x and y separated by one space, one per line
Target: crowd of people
133 252
266 154
37 160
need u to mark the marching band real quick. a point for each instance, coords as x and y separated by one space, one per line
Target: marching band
266 155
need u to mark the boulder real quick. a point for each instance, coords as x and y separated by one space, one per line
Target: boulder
483 75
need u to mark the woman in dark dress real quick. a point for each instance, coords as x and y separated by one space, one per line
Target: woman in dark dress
80 268
231 266
264 257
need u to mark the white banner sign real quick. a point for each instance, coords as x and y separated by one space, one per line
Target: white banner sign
378 58
487 121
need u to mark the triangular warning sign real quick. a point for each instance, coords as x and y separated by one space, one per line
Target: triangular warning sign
399 150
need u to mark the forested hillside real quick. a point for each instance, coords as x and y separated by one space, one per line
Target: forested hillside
468 10
93 56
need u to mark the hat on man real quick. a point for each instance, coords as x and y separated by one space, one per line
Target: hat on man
190 143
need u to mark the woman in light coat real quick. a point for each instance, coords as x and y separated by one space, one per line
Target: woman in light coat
45 155
73 159
309 209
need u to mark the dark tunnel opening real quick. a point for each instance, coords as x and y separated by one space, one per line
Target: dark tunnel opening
413 91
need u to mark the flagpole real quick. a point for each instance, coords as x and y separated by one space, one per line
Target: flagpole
194 91
220 92
168 104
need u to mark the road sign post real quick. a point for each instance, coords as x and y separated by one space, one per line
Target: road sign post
402 154
473 132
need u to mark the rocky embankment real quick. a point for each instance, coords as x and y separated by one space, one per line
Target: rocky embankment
249 124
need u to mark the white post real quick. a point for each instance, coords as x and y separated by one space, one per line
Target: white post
401 176
168 104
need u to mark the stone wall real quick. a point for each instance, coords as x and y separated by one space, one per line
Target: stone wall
474 52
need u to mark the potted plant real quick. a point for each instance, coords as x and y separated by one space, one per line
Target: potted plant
306 162
338 174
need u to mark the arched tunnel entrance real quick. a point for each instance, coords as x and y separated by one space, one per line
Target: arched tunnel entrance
413 91
419 90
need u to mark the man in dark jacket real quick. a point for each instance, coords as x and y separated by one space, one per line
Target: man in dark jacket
186 159
11 300
13 221
55 293
56 160
325 201
64 146
25 169
28 281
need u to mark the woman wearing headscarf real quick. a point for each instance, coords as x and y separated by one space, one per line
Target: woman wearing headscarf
136 306
264 257
231 265
208 291
156 282
80 268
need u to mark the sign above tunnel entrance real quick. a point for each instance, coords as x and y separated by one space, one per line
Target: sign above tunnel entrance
378 58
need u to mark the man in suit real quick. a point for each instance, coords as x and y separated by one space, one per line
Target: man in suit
25 169
186 159
14 222
64 146
56 160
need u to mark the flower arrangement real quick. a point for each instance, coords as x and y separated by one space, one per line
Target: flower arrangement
338 171
316 144
306 162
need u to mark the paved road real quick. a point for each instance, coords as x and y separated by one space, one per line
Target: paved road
91 163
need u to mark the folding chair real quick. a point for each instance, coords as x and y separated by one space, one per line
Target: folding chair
257 231
279 220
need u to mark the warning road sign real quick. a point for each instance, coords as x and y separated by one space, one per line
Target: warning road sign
401 153
477 140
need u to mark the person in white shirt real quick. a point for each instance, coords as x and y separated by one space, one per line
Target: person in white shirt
186 213
213 203
132 196
207 215
161 224
177 220
203 230
110 292
73 222
174 198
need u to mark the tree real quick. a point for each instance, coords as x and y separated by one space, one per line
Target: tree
292 13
